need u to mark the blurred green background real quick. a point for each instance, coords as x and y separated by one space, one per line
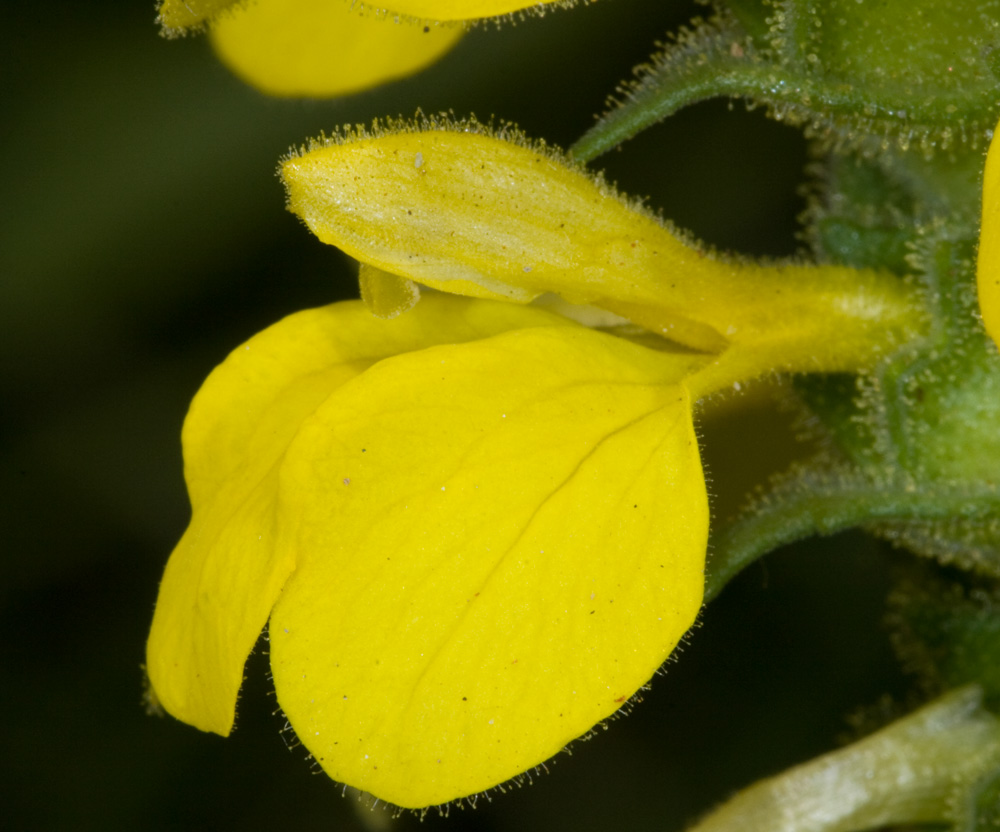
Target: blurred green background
144 235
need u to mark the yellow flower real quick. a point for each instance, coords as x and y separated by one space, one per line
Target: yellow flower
476 528
988 263
329 47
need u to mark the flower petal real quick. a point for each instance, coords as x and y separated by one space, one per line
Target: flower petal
498 544
225 574
322 47
988 264
453 207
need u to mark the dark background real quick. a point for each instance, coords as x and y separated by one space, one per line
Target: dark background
143 236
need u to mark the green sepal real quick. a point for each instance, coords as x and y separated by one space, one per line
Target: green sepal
938 398
856 243
925 417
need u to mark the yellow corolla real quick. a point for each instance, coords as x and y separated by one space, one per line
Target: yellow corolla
329 47
476 527
458 208
988 264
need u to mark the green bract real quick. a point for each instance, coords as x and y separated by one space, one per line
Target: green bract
860 76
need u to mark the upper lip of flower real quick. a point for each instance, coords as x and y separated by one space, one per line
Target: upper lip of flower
450 205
